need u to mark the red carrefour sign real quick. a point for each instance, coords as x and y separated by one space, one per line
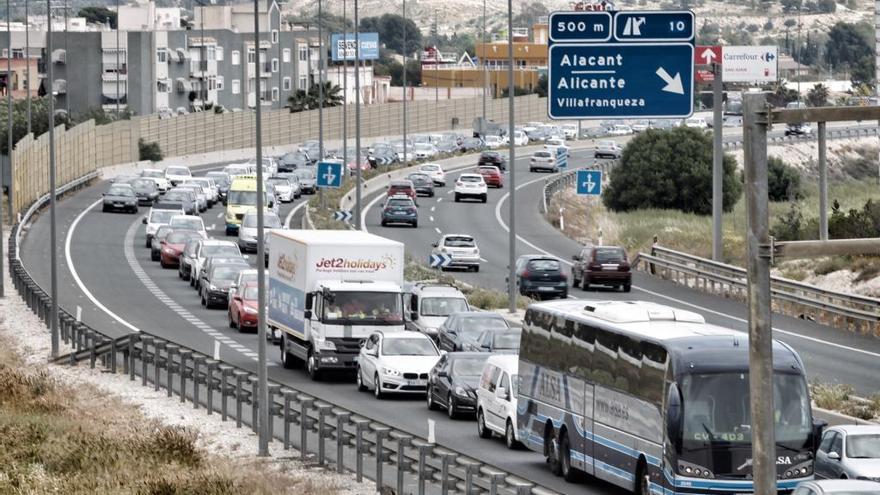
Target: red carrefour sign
707 55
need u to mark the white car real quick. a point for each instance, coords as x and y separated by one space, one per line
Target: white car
471 186
284 190
157 218
531 126
696 123
641 126
212 192
461 248
201 195
177 174
492 141
188 222
235 170
435 171
620 130
207 249
519 138
423 151
553 144
496 399
543 160
396 362
247 232
607 149
570 131
550 131
157 176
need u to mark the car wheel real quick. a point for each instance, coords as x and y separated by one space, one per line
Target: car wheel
585 283
552 452
643 480
104 208
231 321
429 399
205 302
154 255
134 210
484 198
457 198
482 430
162 262
377 387
384 223
312 367
148 243
360 381
288 360
477 268
451 411
415 225
228 232
510 436
574 281
627 287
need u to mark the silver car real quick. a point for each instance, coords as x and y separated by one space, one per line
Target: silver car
247 233
849 451
837 487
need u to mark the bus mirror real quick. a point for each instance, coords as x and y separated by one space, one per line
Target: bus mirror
673 414
309 298
818 428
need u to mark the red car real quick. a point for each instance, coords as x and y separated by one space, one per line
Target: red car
402 187
491 175
243 309
173 245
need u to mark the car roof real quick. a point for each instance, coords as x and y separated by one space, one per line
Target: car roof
507 362
446 236
471 175
400 183
403 335
840 486
218 242
857 429
471 314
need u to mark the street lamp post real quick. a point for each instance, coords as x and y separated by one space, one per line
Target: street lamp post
483 62
344 83
53 229
404 84
27 51
436 60
357 113
512 204
118 68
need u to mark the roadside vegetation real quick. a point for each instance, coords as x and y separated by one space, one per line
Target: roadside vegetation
842 398
478 297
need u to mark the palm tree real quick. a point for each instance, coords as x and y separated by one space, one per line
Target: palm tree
332 95
818 95
298 101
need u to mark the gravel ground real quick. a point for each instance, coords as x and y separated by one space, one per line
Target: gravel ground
30 338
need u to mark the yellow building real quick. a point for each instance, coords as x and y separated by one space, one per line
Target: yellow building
530 61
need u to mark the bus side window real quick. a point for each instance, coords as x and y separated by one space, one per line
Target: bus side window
584 341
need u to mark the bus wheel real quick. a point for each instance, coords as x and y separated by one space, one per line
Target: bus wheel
643 479
570 474
552 452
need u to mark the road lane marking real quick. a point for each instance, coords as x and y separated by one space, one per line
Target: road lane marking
438 230
220 215
431 218
433 208
501 222
439 199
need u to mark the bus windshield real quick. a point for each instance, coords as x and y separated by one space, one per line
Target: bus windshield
364 308
716 410
242 198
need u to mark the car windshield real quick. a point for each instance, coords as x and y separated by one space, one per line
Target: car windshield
543 154
120 191
506 340
430 168
279 181
304 174
177 195
716 409
180 237
408 347
220 250
224 273
154 174
163 232
610 255
470 178
544 265
143 184
247 198
468 366
488 170
863 446
250 293
363 308
177 171
162 216
400 202
270 221
188 223
459 241
472 326
443 306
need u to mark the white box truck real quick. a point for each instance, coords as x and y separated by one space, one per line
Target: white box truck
328 291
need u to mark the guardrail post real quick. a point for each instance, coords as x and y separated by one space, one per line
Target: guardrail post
90 338
470 468
170 351
113 356
146 340
381 434
239 378
341 418
360 424
274 409
496 477
254 382
288 395
522 487
424 471
305 423
403 464
184 357
446 459
131 356
157 358
323 409
198 361
225 373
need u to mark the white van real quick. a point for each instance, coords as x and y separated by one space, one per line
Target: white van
496 399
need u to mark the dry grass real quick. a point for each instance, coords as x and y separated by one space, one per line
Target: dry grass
59 439
840 398
478 297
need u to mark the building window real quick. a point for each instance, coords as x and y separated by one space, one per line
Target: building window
251 55
212 83
276 95
250 85
236 57
162 55
219 53
220 81
17 53
236 86
212 53
303 54
303 81
285 84
274 36
274 65
162 86
285 55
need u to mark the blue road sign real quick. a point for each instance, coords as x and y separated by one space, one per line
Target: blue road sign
561 157
439 260
329 175
620 80
654 26
580 26
589 182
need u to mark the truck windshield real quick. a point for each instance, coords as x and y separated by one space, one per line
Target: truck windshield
364 308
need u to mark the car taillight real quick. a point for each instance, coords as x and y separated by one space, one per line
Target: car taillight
525 274
594 266
458 184
564 276
623 267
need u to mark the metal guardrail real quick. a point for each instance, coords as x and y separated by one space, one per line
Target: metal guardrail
832 308
399 461
566 179
844 133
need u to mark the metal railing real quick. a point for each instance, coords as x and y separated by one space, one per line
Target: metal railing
323 432
842 133
848 311
566 179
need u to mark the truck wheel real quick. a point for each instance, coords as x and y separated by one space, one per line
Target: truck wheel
288 360
312 367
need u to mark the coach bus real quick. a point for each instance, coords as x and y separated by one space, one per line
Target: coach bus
653 399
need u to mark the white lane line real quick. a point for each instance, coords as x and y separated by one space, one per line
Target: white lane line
668 298
293 211
433 208
79 281
431 218
220 215
484 260
438 230
450 191
439 199
212 226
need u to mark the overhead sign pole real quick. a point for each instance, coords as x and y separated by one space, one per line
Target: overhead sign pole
710 57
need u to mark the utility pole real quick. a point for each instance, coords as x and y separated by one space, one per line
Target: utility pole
321 92
8 138
404 84
511 259
755 119
27 51
483 63
436 60
717 165
67 52
203 54
357 114
344 83
53 237
263 376
118 66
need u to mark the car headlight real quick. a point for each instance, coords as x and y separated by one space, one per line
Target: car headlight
212 287
325 345
390 372
169 251
460 391
249 310
430 329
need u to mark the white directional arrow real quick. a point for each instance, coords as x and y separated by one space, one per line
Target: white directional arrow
589 184
673 84
708 55
330 177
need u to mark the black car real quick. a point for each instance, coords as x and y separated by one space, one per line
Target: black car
120 197
186 198
223 182
453 381
493 158
422 183
471 144
145 190
466 326
293 160
217 281
504 341
541 276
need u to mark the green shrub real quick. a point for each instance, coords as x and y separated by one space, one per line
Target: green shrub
783 181
830 396
830 265
149 151
670 169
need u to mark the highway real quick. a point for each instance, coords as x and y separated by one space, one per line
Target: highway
105 270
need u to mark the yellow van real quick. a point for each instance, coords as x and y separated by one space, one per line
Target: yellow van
242 197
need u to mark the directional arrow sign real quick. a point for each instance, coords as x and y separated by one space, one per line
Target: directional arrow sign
707 55
439 260
589 182
342 215
621 80
329 175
